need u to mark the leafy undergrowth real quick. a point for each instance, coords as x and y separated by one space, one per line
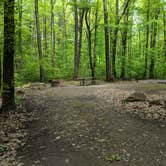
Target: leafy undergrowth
12 135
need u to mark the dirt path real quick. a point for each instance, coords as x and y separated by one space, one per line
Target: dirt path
77 127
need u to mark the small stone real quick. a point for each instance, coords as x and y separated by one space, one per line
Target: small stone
67 161
162 144
120 130
128 155
42 147
58 138
4 139
101 140
44 158
62 150
73 144
37 162
145 135
20 164
91 148
156 116
149 116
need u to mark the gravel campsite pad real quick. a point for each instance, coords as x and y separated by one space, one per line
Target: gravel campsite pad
93 126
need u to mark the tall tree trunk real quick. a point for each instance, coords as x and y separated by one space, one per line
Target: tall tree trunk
92 53
20 29
0 72
45 28
76 40
1 56
114 45
107 46
115 40
41 68
81 21
124 46
115 33
147 39
95 39
52 34
89 35
153 44
130 51
79 18
8 102
32 30
64 34
164 21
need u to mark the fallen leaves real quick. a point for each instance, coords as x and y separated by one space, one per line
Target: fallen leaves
154 107
113 158
12 136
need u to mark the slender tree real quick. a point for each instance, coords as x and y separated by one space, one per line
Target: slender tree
92 52
41 68
95 38
124 45
45 27
52 2
89 38
79 13
64 33
153 43
1 48
107 46
8 101
130 42
20 28
164 22
114 44
115 32
147 38
75 40
0 71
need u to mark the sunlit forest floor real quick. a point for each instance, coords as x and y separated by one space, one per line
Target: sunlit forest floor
73 125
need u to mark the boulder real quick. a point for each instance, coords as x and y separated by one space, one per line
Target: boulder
136 97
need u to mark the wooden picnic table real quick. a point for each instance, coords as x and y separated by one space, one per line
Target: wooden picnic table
87 81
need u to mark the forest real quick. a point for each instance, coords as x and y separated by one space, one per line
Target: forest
82 82
103 39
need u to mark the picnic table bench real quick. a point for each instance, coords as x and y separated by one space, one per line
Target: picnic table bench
85 81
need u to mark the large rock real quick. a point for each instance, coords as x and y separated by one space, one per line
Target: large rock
135 97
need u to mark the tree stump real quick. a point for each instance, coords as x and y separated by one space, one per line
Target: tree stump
54 83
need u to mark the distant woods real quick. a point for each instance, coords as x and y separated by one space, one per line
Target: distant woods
107 39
